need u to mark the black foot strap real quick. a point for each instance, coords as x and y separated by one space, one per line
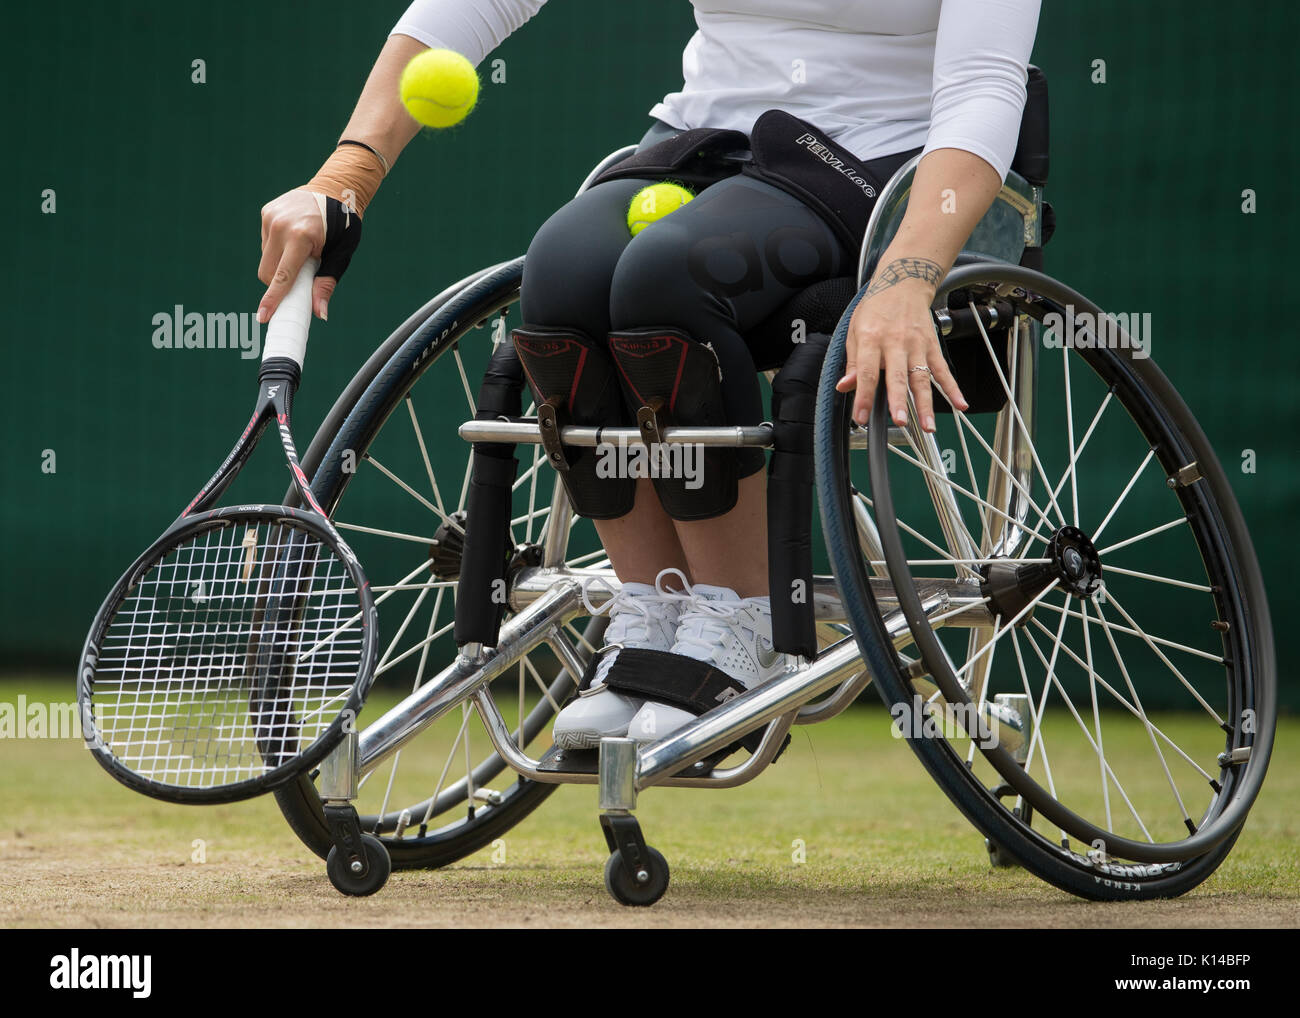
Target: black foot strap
678 681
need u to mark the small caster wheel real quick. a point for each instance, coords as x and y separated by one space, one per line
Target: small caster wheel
345 879
628 890
999 857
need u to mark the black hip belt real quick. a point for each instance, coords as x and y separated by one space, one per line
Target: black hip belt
782 150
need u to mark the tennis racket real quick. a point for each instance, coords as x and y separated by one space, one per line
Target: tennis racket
235 652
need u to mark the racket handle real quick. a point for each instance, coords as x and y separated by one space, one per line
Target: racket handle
286 334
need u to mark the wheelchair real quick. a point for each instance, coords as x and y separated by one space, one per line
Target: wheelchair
1012 586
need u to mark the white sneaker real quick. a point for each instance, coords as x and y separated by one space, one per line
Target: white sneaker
733 634
641 617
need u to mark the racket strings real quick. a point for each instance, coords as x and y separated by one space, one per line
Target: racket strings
204 676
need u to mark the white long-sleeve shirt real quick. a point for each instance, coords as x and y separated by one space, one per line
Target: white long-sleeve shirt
878 76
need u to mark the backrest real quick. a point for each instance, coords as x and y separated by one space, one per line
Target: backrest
1031 158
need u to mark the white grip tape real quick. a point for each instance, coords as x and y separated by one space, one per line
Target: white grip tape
286 334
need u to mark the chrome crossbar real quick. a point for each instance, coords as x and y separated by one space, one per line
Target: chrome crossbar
528 432
961 598
468 673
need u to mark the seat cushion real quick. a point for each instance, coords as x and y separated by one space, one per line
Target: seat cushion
819 307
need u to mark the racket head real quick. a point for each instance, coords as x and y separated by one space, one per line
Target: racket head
231 657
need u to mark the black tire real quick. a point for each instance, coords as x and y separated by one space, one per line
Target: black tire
628 891
1116 875
377 872
349 430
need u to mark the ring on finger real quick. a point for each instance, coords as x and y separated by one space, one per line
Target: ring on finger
919 367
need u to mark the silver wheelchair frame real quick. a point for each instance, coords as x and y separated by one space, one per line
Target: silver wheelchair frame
547 596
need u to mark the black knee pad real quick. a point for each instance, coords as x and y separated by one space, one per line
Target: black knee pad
672 379
789 499
576 376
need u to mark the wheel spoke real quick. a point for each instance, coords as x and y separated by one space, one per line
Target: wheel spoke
532 670
1092 693
1069 704
522 687
959 610
464 380
1036 718
960 541
375 531
981 561
1015 409
1142 536
586 644
1069 438
528 517
970 495
419 681
1119 698
947 558
469 764
982 683
1075 453
1202 587
1168 664
1146 722
1096 534
424 455
415 494
401 630
431 585
349 623
1006 470
530 473
411 650
451 755
1216 658
532 492
997 634
588 557
970 472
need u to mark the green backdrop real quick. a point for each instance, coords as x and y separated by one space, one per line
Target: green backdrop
157 181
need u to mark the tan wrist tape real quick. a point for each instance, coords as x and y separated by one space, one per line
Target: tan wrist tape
350 175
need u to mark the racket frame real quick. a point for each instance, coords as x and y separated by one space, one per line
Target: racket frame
278 378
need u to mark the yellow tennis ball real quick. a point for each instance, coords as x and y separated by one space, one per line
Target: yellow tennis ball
652 203
439 87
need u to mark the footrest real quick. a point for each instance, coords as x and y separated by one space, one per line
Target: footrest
683 682
569 761
587 761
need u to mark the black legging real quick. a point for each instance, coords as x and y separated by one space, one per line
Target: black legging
714 269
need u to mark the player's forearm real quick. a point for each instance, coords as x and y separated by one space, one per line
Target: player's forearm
950 193
380 119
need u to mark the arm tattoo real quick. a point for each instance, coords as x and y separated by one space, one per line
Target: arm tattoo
904 268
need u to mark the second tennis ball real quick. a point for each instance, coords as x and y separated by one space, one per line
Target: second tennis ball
439 87
652 203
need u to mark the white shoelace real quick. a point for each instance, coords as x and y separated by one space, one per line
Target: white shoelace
624 601
706 624
633 614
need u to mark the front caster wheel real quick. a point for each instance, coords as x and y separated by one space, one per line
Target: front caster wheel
343 870
999 857
644 887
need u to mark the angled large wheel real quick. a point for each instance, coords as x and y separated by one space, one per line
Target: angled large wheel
1117 632
393 474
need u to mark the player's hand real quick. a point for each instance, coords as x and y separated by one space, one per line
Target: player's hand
293 227
891 331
